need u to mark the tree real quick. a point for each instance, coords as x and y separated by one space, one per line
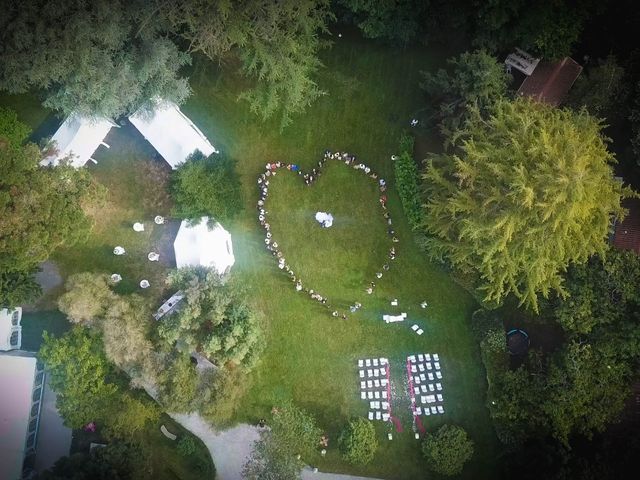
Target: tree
547 28
277 43
407 182
295 429
396 20
527 192
18 287
269 461
358 441
447 450
117 460
178 383
40 208
88 56
87 297
213 319
602 90
476 78
207 186
79 371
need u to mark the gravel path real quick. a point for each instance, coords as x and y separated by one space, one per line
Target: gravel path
229 449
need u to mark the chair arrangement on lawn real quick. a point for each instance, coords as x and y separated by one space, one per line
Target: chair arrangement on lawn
394 318
425 384
375 387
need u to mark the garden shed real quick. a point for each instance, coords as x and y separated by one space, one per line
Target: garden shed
199 245
171 133
77 139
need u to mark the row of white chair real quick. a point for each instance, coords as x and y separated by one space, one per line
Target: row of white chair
364 384
433 410
374 372
372 362
376 405
379 416
422 378
423 357
431 398
371 395
418 389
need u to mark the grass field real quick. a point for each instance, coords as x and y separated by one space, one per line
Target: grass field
310 356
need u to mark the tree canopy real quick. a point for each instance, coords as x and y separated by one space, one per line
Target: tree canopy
447 450
527 192
476 78
207 186
358 441
213 319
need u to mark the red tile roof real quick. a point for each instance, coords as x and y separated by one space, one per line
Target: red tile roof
550 82
627 232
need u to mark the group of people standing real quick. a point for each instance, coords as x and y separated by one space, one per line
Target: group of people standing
272 246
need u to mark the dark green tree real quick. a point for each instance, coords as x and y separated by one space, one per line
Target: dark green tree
447 450
475 78
88 56
358 441
207 186
527 192
18 287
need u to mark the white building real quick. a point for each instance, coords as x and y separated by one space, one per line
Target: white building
77 139
171 133
199 245
22 387
10 329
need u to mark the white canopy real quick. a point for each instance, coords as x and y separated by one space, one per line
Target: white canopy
171 133
198 245
77 139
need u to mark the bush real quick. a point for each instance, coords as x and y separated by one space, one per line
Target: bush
447 450
358 441
406 172
186 446
207 186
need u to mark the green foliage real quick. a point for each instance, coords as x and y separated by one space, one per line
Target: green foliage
186 446
18 287
634 119
40 208
447 450
548 28
476 79
529 191
407 177
213 319
87 297
79 371
358 441
601 293
88 56
602 89
117 460
392 20
178 383
221 399
207 186
274 456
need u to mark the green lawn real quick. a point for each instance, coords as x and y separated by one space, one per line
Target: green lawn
310 356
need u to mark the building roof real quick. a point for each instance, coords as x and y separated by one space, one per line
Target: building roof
17 376
78 138
198 245
7 328
627 232
171 133
551 81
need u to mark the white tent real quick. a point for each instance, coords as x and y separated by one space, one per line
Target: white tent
77 139
171 133
199 245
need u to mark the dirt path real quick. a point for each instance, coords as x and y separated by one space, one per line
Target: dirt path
230 449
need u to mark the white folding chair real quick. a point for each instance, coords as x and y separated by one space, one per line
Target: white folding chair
420 331
370 395
385 417
369 384
439 386
367 362
439 397
440 409
427 357
376 372
385 405
375 362
423 399
363 395
416 379
420 357
378 416
418 410
438 374
376 394
431 399
363 385
384 394
377 405
434 410
376 383
414 368
369 373
361 373
430 376
414 327
372 405
437 365
427 411
412 358
429 367
383 371
431 387
421 367
370 415
361 363
384 382
423 377
423 388
384 361
436 357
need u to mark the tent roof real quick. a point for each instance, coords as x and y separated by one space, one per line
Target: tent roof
171 133
17 375
78 137
198 245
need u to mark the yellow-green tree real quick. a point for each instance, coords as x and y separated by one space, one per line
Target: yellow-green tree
527 192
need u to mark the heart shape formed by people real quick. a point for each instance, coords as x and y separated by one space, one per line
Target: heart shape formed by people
329 229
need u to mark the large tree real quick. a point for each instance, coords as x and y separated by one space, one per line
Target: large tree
207 186
88 56
213 319
526 192
447 450
476 78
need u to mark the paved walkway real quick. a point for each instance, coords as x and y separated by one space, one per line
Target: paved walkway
230 449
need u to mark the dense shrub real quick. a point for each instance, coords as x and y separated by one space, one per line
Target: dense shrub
406 172
447 450
358 441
